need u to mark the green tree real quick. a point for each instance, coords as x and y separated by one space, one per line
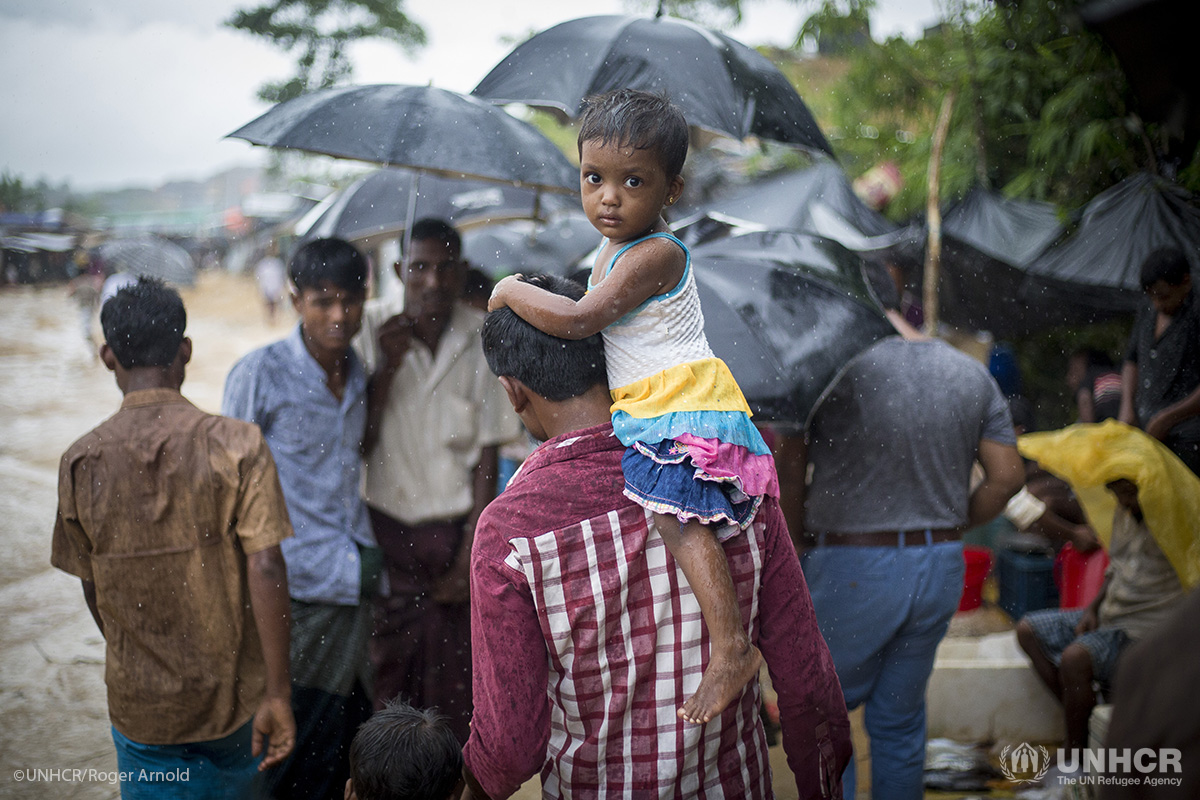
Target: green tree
1043 111
319 31
18 196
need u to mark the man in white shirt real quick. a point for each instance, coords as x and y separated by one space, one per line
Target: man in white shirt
435 418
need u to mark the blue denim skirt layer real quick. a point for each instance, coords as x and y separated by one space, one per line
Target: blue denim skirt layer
662 479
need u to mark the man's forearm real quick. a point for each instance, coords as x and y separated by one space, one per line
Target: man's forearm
1185 409
267 579
1004 475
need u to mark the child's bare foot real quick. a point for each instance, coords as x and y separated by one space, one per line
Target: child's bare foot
726 676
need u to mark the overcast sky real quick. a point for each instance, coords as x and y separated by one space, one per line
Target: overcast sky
111 93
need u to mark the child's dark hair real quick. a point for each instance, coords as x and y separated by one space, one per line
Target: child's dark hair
442 231
405 753
1167 264
641 120
328 261
557 369
143 324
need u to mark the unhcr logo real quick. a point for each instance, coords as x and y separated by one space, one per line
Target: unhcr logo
1024 763
1095 766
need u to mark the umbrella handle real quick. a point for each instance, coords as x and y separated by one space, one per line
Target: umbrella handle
410 214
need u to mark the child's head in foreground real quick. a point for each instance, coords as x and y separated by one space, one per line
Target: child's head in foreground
640 120
404 753
143 324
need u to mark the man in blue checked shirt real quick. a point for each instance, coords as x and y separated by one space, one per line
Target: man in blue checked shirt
308 395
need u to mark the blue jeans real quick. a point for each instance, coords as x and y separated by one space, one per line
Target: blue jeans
883 611
220 769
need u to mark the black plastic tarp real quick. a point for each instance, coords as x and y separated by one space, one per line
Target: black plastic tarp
1100 263
1014 232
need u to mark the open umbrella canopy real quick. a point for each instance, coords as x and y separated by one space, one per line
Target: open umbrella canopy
527 246
375 205
1013 231
786 311
151 257
1122 225
420 127
818 200
719 83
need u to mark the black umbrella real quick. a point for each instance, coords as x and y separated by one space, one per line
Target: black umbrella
1102 260
375 205
818 200
419 127
719 83
151 257
786 312
525 246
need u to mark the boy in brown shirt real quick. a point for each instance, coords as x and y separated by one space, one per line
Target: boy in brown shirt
172 519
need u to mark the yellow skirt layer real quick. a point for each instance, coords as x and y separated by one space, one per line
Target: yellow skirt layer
705 385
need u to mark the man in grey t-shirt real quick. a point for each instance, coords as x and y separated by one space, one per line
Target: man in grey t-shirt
892 448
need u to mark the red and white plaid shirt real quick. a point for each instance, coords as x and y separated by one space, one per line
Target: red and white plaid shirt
586 639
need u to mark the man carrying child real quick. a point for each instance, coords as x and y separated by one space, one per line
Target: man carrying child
585 631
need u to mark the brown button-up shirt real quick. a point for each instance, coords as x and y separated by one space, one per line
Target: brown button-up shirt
159 506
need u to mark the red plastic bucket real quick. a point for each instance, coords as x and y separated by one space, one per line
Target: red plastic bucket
979 563
1079 575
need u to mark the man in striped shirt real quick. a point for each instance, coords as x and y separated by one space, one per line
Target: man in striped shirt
586 636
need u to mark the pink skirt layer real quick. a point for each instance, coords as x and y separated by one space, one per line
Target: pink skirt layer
754 474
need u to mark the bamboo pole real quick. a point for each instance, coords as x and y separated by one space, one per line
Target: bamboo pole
933 216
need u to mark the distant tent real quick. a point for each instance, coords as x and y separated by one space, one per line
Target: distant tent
988 241
818 200
1014 232
1100 263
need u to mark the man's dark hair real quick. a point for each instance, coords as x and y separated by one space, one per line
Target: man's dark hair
442 231
641 120
328 261
143 324
1167 264
405 753
557 369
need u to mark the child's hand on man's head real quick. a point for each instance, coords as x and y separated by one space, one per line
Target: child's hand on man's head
500 292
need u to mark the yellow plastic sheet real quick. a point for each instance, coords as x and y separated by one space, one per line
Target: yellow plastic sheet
1090 456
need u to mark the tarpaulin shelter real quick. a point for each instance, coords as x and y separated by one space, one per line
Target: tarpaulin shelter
1099 265
988 242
